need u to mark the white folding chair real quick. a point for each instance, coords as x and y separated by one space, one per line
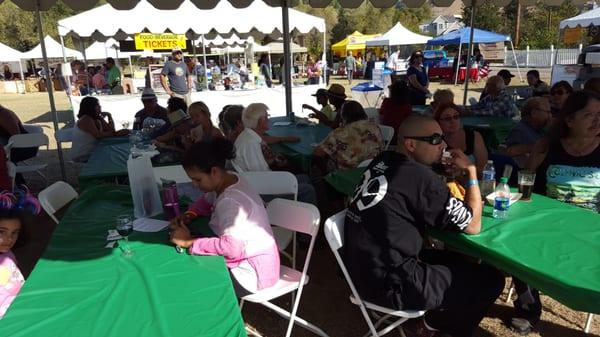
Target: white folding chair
372 114
334 232
27 140
277 183
174 172
236 167
365 163
55 197
33 128
298 217
387 133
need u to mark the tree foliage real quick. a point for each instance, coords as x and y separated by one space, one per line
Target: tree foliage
539 24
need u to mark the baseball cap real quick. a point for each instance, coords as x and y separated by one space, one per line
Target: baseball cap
505 73
176 50
320 92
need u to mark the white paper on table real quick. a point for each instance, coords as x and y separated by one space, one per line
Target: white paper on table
149 225
113 235
282 123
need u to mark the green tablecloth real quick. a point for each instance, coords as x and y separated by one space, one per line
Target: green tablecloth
300 153
552 246
109 160
493 129
80 288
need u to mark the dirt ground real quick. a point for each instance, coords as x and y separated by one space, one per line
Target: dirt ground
325 300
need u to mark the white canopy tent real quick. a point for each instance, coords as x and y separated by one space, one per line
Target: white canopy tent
220 42
398 36
585 19
7 54
43 5
53 50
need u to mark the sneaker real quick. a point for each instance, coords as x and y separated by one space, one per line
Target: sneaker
416 328
520 325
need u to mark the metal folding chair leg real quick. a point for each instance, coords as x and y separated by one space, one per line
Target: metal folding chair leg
297 319
588 323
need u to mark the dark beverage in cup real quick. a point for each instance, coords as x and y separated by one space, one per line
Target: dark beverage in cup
526 181
526 190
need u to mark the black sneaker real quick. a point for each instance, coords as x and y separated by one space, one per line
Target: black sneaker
520 325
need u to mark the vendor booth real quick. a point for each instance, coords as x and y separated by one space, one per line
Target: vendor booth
460 37
588 63
355 42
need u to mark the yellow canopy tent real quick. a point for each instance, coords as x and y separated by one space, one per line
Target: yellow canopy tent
354 42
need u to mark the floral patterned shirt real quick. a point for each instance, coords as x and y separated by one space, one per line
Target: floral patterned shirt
11 281
351 144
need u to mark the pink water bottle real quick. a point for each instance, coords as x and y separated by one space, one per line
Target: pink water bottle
170 199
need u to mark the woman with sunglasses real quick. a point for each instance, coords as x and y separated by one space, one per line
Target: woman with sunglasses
418 81
468 141
559 93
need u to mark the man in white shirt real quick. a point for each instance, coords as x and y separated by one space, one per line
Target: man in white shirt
250 149
392 61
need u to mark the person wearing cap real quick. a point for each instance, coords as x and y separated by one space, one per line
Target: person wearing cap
326 113
337 98
180 80
151 109
506 77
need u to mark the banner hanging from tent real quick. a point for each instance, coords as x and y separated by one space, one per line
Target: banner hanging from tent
159 41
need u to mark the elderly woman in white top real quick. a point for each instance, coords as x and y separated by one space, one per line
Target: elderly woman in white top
254 154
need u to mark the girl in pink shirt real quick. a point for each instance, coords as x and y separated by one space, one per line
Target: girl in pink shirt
12 207
237 217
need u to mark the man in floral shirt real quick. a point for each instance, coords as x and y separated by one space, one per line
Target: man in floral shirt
497 103
358 139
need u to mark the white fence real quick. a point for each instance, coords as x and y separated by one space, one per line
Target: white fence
542 57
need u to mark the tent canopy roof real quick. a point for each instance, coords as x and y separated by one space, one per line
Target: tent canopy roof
208 4
584 19
8 54
53 50
354 41
462 35
398 35
259 20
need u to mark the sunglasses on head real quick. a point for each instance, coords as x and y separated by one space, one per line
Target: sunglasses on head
435 139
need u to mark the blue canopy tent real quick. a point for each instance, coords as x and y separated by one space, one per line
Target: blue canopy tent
465 36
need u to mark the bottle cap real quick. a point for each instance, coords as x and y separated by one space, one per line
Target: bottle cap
490 161
504 180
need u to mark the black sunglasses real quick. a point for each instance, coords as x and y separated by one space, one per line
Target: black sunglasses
435 139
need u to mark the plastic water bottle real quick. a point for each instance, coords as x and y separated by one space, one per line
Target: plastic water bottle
501 199
488 179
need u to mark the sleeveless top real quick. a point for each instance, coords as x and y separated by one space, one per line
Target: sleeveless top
571 179
83 145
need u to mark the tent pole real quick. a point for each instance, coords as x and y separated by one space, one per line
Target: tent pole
67 78
287 57
469 53
516 63
324 58
205 64
85 64
130 69
458 62
49 87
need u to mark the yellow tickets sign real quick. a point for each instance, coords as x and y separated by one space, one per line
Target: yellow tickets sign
159 41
